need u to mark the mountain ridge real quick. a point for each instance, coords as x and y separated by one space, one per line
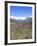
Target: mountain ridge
28 20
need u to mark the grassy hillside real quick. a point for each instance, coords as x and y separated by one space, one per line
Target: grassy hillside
20 29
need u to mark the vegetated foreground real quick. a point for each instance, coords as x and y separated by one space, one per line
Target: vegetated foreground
20 31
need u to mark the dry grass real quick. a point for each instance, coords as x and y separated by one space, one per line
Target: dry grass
19 31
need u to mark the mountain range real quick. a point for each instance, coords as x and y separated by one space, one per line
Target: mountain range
28 20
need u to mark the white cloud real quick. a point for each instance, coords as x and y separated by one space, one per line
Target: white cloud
22 18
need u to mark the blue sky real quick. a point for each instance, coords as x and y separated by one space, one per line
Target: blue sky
20 11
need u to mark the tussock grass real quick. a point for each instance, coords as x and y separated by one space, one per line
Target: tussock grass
20 31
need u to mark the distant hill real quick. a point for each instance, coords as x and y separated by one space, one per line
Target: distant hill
13 20
28 20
